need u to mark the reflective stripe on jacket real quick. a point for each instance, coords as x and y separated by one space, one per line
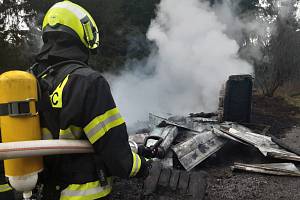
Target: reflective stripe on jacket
136 165
5 188
102 124
88 191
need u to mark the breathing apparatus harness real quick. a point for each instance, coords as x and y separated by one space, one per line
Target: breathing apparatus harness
22 108
51 68
45 86
61 70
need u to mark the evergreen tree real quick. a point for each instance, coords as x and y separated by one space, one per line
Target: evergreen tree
14 21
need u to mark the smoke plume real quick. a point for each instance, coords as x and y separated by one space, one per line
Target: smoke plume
184 73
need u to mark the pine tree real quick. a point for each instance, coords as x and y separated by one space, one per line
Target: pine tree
14 27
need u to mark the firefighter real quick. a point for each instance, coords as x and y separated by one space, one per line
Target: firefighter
76 103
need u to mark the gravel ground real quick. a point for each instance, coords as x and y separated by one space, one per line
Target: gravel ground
252 186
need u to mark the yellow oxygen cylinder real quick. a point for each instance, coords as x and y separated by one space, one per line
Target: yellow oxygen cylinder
18 89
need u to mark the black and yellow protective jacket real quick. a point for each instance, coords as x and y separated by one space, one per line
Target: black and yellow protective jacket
82 108
5 190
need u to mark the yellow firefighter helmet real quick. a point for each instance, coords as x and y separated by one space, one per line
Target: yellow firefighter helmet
71 18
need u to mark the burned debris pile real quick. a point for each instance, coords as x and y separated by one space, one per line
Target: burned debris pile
188 141
193 139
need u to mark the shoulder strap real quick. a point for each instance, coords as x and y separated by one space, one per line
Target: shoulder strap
45 86
53 68
66 70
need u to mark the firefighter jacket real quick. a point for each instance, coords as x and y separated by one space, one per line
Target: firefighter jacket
82 108
5 190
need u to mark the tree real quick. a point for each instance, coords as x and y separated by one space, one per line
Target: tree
274 54
284 60
14 18
122 24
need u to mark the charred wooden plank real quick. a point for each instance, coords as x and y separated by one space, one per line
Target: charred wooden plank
197 185
174 179
164 178
183 182
285 169
150 183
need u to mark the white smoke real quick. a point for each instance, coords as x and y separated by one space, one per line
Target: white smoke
193 58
